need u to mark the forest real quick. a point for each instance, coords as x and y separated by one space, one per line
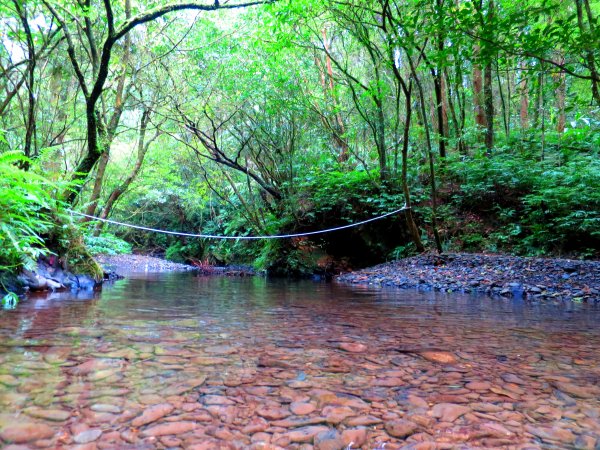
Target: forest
480 118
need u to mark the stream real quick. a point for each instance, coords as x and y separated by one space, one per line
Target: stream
172 360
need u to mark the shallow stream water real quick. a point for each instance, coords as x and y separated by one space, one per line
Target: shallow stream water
171 360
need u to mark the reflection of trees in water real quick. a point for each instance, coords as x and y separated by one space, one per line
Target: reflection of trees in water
41 314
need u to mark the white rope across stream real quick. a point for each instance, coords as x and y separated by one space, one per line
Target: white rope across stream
213 236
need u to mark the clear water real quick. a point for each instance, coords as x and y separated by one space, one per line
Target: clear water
217 350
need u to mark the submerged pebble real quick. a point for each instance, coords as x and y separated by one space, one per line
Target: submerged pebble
421 371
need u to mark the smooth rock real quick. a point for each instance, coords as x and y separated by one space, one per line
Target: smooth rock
273 412
449 412
400 428
87 436
353 347
354 437
55 415
152 414
305 434
438 357
336 414
165 429
328 440
20 433
302 408
552 434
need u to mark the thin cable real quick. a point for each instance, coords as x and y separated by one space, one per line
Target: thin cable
213 236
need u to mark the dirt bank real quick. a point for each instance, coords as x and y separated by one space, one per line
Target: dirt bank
508 276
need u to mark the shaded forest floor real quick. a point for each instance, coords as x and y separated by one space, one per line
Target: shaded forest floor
507 276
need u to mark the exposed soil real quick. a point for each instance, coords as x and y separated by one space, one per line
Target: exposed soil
507 276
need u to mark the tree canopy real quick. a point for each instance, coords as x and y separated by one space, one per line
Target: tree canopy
248 117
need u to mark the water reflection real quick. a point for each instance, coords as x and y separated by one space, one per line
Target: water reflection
382 365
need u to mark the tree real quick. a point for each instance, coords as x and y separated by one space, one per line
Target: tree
101 49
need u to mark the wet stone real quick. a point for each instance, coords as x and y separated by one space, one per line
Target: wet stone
273 412
328 440
174 428
354 437
152 414
232 377
87 436
55 415
305 434
353 347
400 428
302 408
438 357
22 432
103 407
553 434
449 412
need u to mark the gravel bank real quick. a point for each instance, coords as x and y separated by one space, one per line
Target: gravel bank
507 276
139 263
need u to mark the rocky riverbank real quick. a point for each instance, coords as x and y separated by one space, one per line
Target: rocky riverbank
495 275
123 264
140 263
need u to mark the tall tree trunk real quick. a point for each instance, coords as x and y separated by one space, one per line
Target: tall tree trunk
380 140
407 91
524 94
408 213
438 84
29 148
539 99
503 101
339 134
441 114
478 91
589 52
561 93
489 107
436 235
142 149
113 123
98 182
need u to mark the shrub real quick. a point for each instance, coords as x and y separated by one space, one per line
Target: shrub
107 244
25 205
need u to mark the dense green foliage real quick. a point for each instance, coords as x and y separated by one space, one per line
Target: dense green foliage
482 117
544 208
25 206
106 244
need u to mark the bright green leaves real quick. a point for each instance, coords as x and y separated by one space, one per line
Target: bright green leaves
25 204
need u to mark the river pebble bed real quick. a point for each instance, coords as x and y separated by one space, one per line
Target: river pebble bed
140 263
538 279
175 361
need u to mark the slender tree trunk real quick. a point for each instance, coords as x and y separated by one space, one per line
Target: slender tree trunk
340 128
480 119
524 94
408 213
142 149
98 182
561 93
503 102
29 148
380 141
113 123
407 90
436 235
440 111
489 107
589 52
